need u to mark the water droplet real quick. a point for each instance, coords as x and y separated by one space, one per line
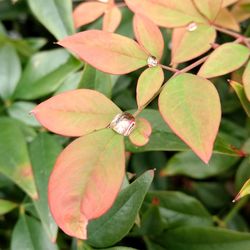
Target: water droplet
152 61
103 1
192 26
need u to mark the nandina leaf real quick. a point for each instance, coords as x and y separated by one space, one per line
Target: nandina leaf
245 190
141 133
246 81
112 19
76 113
6 206
228 2
226 20
88 12
225 59
239 12
190 105
149 36
167 13
148 84
187 45
108 52
238 88
86 179
209 8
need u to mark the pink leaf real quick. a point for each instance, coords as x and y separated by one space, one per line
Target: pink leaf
112 19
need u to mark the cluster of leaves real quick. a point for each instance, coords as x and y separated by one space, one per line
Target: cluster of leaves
188 50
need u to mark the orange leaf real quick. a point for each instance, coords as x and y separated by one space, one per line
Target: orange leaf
108 52
86 13
112 19
76 113
246 81
228 2
149 36
86 180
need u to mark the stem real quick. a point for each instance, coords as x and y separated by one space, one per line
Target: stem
121 5
169 68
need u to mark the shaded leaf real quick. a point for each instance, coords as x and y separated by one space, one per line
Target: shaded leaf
241 10
108 52
112 19
6 206
225 59
246 81
242 174
76 112
84 182
121 217
55 15
14 159
190 105
148 84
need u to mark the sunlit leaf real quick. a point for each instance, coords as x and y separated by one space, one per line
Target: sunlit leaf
86 180
112 19
225 59
187 45
190 105
246 81
149 36
108 52
148 84
141 133
76 112
6 206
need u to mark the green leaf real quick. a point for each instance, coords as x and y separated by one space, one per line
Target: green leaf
225 59
238 88
44 73
190 105
196 238
28 234
43 153
246 81
6 206
14 159
21 112
188 164
10 71
242 174
178 209
116 223
55 15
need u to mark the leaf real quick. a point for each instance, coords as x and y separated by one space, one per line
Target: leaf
86 180
148 36
108 52
238 88
121 217
187 45
166 13
88 12
240 11
76 112
188 164
14 159
190 105
225 59
246 81
193 238
20 111
178 209
29 234
141 133
6 206
228 2
43 153
10 71
242 174
148 85
209 8
112 18
245 190
55 15
44 73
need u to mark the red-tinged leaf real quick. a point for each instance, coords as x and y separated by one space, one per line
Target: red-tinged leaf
140 135
190 105
187 45
108 52
86 180
240 12
76 113
86 13
246 81
167 13
245 190
228 2
149 36
209 8
226 20
112 19
148 84
225 59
